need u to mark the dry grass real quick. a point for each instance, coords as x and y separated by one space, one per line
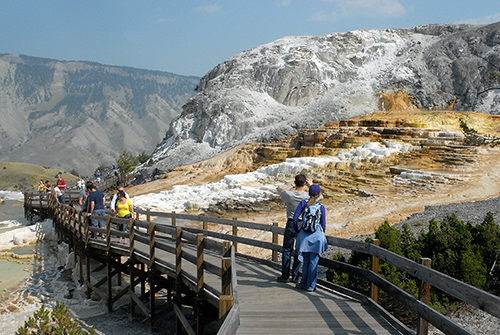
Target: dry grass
25 176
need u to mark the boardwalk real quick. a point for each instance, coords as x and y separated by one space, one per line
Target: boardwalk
200 268
269 307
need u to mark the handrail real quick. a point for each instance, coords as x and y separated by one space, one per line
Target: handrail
173 240
467 293
460 290
454 287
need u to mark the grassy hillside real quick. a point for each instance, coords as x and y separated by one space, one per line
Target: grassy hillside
25 176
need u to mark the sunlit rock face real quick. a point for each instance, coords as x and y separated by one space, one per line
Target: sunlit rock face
270 92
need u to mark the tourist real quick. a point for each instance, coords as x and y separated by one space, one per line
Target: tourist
112 206
80 184
48 187
61 184
59 195
96 203
41 188
98 176
311 239
82 199
292 196
124 209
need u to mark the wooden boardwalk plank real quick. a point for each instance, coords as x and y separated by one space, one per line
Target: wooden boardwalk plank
269 307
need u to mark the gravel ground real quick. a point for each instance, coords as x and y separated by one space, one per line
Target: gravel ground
473 212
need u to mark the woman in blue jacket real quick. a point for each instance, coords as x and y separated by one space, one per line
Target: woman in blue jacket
311 239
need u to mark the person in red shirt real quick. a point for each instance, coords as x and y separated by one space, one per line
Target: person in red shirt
61 184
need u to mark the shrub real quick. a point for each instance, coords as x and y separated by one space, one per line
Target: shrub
466 252
56 321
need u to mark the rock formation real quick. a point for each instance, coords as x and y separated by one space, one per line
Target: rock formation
274 90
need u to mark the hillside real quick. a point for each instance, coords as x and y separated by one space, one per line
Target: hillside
25 176
77 115
274 90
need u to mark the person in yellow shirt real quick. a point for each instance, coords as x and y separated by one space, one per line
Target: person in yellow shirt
124 209
41 188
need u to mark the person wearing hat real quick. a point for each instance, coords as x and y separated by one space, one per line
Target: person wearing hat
311 239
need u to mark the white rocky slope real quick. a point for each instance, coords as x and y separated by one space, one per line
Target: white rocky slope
271 91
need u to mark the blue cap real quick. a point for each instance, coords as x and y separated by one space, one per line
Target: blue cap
314 190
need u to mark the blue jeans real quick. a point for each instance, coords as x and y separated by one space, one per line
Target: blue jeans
288 242
309 270
61 199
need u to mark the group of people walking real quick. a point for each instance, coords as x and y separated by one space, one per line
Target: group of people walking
59 188
305 227
93 202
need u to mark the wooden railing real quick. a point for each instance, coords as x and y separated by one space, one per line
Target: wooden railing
460 290
197 230
152 251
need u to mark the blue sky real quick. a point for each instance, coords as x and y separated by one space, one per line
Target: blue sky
191 37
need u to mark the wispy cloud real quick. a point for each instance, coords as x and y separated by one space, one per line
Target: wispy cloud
284 3
322 16
209 8
362 8
482 20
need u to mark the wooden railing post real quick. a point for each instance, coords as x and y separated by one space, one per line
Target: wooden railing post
226 300
148 217
41 209
199 263
178 270
204 223
201 280
235 233
108 233
132 265
275 241
425 297
109 267
375 264
80 236
226 268
178 253
174 221
151 268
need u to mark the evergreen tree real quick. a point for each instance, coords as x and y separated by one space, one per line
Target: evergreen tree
126 162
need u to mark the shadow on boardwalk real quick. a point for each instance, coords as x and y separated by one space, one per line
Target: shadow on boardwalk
269 307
